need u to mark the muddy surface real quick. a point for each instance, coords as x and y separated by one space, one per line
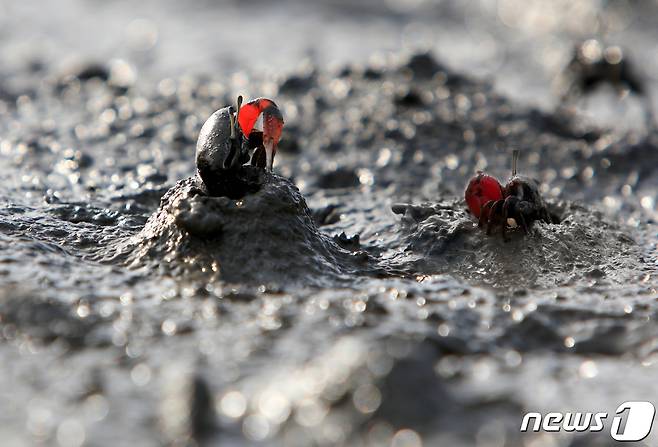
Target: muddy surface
351 300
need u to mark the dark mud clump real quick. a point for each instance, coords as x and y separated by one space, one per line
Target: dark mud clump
267 236
35 319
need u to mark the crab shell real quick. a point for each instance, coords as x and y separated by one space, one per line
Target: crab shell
215 149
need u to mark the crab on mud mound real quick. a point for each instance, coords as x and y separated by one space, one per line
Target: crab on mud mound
518 203
237 221
232 137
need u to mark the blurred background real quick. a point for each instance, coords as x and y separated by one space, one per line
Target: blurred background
522 45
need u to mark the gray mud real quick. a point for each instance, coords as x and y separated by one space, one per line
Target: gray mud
352 300
265 236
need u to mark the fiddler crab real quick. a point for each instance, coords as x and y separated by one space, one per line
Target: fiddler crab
594 64
226 142
518 203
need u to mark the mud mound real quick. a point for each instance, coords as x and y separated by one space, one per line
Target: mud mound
267 236
444 238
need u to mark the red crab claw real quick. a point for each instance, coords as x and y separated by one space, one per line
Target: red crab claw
481 189
272 122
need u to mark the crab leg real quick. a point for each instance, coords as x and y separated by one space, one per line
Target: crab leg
272 126
486 207
492 215
523 224
506 206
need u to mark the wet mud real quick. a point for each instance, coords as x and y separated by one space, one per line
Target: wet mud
351 300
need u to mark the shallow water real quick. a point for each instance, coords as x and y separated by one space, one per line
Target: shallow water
127 320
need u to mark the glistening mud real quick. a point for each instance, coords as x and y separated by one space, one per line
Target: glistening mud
350 299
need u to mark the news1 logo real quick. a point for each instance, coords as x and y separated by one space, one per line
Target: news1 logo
632 421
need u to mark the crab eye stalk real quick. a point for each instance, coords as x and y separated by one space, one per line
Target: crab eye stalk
232 158
236 121
515 159
232 125
272 123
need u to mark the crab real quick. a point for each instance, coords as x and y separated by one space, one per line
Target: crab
593 65
516 204
226 141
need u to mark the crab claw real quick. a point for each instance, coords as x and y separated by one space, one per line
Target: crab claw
482 189
272 124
